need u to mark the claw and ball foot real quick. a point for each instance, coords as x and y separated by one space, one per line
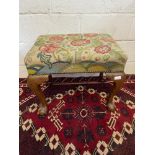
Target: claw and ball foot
34 82
111 107
117 86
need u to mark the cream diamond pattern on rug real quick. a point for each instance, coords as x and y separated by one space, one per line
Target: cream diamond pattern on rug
54 142
27 125
117 137
40 134
102 148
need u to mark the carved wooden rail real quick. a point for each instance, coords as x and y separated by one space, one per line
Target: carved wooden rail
82 80
75 80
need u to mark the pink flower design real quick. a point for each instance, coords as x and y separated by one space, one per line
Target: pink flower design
56 38
90 34
80 42
50 48
103 49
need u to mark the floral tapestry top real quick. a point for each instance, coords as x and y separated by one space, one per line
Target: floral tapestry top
74 53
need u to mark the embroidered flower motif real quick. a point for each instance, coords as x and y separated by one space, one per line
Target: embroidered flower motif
50 48
56 38
103 49
80 88
71 92
90 35
80 42
91 91
59 96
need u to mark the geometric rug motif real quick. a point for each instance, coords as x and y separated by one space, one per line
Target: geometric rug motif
78 122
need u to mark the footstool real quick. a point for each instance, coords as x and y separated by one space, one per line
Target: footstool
74 53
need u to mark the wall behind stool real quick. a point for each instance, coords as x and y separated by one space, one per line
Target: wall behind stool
115 17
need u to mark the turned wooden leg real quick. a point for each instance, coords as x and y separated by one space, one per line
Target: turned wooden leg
117 85
34 82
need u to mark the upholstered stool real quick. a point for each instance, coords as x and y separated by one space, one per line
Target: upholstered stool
74 53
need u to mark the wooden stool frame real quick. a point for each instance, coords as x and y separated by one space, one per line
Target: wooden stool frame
34 82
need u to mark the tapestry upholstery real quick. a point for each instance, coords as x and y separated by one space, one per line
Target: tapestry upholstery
75 53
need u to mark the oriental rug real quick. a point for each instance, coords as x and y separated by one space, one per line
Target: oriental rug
78 122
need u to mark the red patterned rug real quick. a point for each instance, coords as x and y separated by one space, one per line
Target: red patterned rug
78 122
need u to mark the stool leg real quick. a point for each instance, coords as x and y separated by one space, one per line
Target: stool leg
34 82
117 86
101 76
